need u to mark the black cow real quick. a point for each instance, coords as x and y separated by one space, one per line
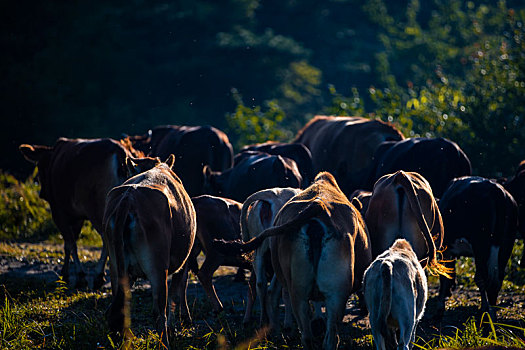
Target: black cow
516 186
296 151
193 146
439 161
256 171
480 219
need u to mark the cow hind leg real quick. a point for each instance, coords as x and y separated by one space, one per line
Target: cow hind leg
100 273
446 285
335 307
178 287
118 313
302 311
406 331
261 286
159 291
288 314
70 233
250 297
205 275
272 305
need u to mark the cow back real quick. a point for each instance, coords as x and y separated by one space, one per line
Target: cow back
295 151
439 160
473 206
253 173
193 147
165 216
345 146
390 215
333 209
217 217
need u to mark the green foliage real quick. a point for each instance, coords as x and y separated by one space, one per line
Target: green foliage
23 214
464 72
348 106
249 125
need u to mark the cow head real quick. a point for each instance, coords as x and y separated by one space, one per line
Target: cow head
41 157
141 143
212 181
136 166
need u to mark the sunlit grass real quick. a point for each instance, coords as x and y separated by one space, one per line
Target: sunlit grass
477 334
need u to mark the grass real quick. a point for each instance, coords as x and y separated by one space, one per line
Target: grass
36 313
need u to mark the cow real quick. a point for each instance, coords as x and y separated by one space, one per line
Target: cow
193 146
481 220
345 146
255 172
217 218
516 187
360 199
320 251
257 214
149 228
75 176
438 160
296 151
395 291
402 206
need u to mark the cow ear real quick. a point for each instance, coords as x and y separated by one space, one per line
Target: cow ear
170 161
34 153
206 171
131 167
357 203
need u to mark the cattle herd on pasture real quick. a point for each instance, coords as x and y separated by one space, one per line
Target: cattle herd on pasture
350 206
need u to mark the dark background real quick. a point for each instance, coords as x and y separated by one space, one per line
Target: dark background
101 69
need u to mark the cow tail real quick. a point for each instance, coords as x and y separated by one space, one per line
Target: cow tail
237 247
386 299
257 196
121 299
434 266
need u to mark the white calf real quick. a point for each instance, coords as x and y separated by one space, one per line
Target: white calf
395 290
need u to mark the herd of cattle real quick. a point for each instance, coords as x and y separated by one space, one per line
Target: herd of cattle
350 206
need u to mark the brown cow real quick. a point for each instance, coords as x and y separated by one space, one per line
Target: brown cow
193 146
345 147
402 206
149 228
320 252
258 212
217 218
75 176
